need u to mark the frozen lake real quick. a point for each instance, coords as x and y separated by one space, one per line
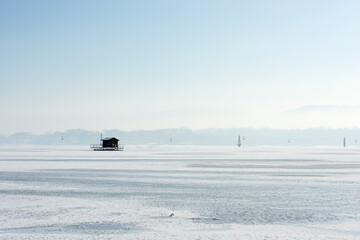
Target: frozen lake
66 192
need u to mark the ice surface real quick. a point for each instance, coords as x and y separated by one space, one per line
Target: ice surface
52 192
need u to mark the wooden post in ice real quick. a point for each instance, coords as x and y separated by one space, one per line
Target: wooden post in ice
239 141
344 142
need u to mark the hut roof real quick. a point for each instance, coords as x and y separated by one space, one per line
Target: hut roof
108 138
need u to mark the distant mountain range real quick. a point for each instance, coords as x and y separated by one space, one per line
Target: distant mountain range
325 108
184 136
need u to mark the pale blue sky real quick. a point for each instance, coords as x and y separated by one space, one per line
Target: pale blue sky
161 64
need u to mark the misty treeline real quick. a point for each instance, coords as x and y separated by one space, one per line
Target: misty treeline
185 136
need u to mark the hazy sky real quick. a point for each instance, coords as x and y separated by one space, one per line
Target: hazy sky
162 64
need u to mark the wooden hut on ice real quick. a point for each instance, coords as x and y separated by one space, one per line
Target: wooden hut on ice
108 144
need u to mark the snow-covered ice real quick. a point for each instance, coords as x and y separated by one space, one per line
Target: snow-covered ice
67 192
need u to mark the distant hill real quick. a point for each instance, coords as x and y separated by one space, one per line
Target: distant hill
325 108
184 136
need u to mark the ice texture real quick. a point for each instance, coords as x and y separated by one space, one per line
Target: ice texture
66 192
